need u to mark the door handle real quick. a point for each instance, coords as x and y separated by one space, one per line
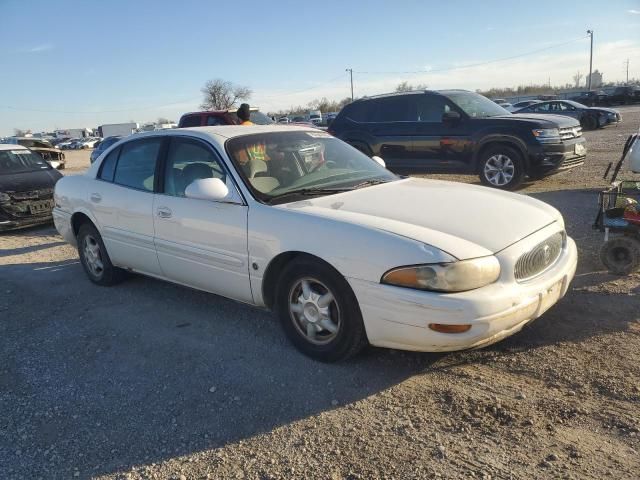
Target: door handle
164 212
96 197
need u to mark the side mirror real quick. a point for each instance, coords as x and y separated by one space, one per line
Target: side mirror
212 189
379 161
451 117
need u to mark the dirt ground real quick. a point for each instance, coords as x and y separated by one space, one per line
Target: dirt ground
149 380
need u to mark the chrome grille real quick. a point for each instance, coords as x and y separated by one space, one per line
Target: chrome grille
568 133
540 257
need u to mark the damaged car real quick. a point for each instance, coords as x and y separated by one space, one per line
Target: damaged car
43 148
26 188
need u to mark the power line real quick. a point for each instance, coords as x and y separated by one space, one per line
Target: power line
305 89
471 65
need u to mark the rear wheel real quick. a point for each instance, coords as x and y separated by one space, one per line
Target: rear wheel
95 259
501 167
319 311
621 255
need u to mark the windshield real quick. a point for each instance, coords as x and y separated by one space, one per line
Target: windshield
21 161
474 105
260 118
277 165
575 104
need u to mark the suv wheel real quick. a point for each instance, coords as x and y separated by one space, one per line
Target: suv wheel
501 167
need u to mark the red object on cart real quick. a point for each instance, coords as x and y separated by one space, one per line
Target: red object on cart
632 217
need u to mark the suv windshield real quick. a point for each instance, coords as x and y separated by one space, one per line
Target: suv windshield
21 161
279 166
475 105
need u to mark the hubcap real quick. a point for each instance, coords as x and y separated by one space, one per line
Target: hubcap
314 311
93 256
499 170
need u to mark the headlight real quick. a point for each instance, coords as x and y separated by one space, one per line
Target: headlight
446 277
4 198
547 135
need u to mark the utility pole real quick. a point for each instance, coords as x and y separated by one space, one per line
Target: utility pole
350 70
590 33
627 62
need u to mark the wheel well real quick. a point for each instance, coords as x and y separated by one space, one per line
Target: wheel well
77 220
506 143
275 269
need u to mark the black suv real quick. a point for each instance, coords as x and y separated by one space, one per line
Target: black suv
455 131
625 95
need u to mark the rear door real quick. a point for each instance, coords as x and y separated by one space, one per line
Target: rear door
122 202
200 243
437 144
390 122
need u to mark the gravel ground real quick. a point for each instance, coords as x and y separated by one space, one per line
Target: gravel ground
151 380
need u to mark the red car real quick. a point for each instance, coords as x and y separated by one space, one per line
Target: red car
220 117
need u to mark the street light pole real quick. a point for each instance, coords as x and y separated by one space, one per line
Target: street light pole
627 62
590 33
350 70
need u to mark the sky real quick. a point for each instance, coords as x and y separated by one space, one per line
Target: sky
73 64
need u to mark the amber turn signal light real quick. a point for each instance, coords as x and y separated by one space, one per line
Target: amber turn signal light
442 328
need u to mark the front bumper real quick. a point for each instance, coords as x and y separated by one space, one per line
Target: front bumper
398 317
14 224
552 158
62 222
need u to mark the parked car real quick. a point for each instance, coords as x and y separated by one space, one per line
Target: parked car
66 144
625 95
43 148
503 103
524 103
283 120
453 131
545 98
26 187
297 221
102 146
590 118
298 120
592 98
220 117
89 142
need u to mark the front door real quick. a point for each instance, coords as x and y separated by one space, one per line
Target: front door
440 145
200 243
122 202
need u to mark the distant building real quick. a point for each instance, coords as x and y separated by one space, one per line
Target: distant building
596 79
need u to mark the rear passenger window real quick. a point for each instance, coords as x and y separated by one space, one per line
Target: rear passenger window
213 121
108 166
395 109
190 121
137 164
360 111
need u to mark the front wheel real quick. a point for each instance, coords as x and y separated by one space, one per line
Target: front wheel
589 123
319 312
501 167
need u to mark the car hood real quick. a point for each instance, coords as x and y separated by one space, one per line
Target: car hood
600 109
466 221
561 121
24 182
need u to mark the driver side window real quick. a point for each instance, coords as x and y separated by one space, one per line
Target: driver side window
189 160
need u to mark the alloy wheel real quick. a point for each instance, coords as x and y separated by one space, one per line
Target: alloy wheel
93 256
499 170
314 311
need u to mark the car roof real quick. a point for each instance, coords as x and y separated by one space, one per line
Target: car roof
12 146
412 92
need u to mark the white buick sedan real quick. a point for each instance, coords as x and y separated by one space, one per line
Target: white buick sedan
294 220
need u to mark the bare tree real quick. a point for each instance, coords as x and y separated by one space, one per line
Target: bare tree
18 132
576 79
407 87
163 120
221 94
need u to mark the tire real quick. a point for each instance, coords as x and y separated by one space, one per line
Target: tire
589 123
95 259
621 255
305 314
508 164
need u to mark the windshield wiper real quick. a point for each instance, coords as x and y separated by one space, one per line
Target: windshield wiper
308 191
368 183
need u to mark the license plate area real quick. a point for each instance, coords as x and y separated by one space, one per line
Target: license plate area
38 208
550 297
579 149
